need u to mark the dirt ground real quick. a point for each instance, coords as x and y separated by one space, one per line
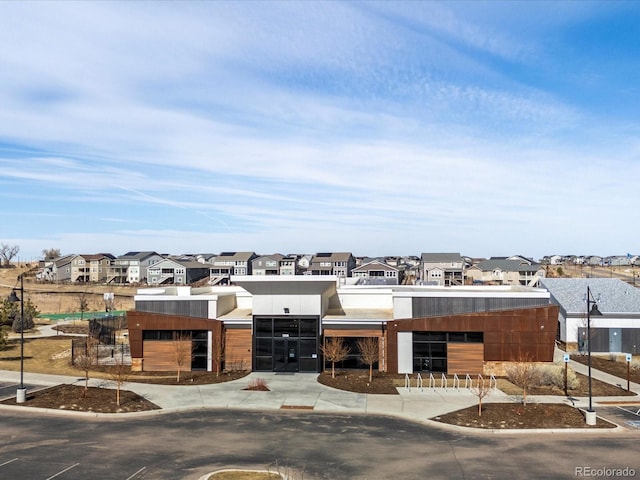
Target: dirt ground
616 368
73 397
518 416
358 381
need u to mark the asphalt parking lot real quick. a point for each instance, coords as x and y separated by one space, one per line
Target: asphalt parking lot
8 390
627 415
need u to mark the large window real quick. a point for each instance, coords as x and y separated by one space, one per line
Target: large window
430 348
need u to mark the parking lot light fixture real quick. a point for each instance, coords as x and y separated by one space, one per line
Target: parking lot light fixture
21 393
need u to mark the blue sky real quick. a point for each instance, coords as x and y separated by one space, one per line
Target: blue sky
379 128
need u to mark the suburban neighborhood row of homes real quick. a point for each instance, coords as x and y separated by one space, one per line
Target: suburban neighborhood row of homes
152 268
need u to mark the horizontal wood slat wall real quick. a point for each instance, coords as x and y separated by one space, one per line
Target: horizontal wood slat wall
238 345
160 356
465 358
335 332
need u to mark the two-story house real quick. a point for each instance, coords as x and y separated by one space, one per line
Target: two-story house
501 271
132 267
171 271
266 264
97 267
231 263
339 264
377 271
443 269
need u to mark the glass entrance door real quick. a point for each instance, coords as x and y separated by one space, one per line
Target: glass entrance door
285 355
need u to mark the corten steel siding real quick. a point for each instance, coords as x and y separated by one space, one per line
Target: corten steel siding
509 335
438 306
140 321
186 308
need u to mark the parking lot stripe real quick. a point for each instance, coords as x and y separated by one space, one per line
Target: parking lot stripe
62 471
637 413
8 462
136 473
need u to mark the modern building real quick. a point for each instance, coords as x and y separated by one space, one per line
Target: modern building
616 330
280 323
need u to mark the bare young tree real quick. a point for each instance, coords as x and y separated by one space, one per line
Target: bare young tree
83 359
525 374
335 350
482 389
119 374
218 353
7 252
369 352
83 304
181 350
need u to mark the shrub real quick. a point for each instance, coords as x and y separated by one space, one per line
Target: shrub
635 365
553 375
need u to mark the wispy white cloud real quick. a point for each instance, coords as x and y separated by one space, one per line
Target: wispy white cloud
369 126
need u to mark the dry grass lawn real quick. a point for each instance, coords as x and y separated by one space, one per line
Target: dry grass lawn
63 298
50 355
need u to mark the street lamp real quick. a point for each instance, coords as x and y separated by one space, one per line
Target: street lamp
21 394
592 309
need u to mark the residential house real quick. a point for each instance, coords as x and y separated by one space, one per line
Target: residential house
266 264
98 267
443 269
377 272
132 267
176 272
231 263
339 264
505 272
289 265
304 261
61 268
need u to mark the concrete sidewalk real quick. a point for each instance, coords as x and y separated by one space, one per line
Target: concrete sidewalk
301 391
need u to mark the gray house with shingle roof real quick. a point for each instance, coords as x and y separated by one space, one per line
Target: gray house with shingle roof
506 272
616 330
443 269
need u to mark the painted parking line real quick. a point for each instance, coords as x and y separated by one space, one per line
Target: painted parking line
635 411
8 462
136 473
62 471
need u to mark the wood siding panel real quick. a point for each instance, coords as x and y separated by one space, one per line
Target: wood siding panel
465 358
238 346
159 356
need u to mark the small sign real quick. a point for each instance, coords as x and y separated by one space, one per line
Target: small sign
566 358
629 357
314 355
285 335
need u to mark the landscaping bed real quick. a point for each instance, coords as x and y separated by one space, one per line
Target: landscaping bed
73 397
612 367
504 416
358 381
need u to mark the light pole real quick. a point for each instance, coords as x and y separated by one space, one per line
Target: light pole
21 394
592 309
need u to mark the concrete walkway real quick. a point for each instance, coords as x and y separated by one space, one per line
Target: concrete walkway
301 391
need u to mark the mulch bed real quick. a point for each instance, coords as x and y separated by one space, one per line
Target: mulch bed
358 381
73 397
503 416
186 378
